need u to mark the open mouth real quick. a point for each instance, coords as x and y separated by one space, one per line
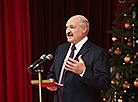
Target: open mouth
69 34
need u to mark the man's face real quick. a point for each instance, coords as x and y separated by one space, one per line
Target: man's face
73 30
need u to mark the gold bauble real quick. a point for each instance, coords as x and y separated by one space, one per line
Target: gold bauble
125 15
112 82
127 25
114 39
125 38
129 43
122 1
126 85
110 51
120 99
104 99
117 51
131 62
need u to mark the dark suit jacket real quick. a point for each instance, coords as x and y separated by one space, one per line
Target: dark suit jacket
95 79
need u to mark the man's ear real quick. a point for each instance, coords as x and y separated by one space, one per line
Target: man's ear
84 29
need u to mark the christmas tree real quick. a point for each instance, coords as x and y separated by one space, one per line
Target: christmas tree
124 54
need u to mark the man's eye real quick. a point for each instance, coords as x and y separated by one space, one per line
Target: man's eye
72 27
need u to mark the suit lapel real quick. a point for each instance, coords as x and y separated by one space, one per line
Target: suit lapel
61 58
83 50
64 53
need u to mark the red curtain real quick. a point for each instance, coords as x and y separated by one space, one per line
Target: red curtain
15 51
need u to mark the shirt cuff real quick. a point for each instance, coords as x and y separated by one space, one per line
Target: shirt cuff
82 73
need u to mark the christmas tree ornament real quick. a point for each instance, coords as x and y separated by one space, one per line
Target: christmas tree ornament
135 56
126 85
112 82
131 62
136 82
125 91
133 97
133 34
117 76
133 25
117 51
127 58
110 51
133 15
122 1
127 25
136 41
125 38
120 99
114 39
125 15
104 99
112 69
115 96
121 77
129 43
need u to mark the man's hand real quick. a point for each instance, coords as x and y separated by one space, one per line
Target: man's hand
77 67
52 88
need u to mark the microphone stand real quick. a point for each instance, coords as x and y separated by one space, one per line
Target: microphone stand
39 71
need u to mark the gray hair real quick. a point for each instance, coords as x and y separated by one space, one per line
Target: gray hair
84 22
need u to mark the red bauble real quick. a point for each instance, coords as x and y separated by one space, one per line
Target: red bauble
136 82
127 59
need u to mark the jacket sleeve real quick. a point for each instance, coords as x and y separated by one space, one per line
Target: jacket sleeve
51 73
97 74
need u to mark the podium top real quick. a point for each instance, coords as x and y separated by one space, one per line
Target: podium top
46 83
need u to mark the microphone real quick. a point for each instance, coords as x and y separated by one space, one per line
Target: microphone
41 58
48 57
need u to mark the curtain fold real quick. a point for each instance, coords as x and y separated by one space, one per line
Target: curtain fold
15 51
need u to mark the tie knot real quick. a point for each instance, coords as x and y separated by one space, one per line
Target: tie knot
73 48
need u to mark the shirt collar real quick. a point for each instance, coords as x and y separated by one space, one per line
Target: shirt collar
80 43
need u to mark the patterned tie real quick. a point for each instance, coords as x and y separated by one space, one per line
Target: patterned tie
62 81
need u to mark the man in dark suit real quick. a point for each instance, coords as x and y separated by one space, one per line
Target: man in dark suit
84 74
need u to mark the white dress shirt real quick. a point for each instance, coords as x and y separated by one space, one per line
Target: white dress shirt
78 47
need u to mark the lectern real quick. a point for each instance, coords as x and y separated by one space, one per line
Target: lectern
43 83
39 82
